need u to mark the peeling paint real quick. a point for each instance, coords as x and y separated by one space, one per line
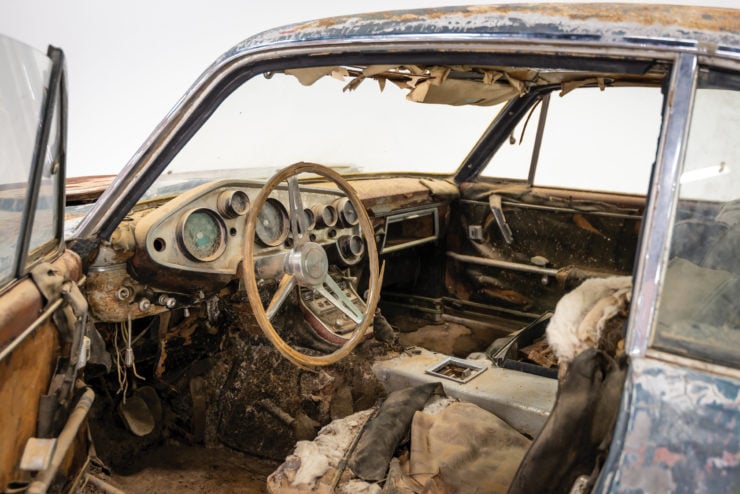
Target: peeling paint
683 433
610 23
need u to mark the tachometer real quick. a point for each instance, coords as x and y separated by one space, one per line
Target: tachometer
202 235
272 223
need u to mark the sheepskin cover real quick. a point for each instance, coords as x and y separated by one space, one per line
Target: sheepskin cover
580 316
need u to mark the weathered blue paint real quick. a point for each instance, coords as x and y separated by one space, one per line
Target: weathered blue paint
681 432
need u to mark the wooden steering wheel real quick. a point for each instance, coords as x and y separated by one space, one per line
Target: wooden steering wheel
306 265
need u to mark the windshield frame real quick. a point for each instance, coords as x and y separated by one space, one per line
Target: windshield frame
241 64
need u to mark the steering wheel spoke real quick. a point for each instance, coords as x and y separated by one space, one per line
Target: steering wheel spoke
298 223
336 296
287 283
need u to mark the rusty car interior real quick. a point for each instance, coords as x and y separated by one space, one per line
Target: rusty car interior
367 284
471 275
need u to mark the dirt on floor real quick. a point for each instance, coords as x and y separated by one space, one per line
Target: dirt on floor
190 469
450 338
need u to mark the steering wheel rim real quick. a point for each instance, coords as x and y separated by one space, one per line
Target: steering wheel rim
250 277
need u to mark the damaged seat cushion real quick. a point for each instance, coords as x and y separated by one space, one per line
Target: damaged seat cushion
464 448
455 447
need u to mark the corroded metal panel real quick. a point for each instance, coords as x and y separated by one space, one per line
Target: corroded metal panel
682 432
611 23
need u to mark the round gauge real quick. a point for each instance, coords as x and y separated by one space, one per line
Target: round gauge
310 218
233 203
202 235
347 214
326 215
351 246
272 223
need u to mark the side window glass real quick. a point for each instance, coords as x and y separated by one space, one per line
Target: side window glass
601 140
698 312
45 220
23 91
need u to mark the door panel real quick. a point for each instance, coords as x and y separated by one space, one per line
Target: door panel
26 370
557 239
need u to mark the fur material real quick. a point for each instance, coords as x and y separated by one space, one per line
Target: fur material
580 315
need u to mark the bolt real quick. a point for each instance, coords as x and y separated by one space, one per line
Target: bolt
167 301
123 293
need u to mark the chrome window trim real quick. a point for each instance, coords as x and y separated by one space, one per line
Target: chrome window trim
661 207
692 363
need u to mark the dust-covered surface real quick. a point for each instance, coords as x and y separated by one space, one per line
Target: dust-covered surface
452 447
314 464
191 469
234 390
266 403
450 339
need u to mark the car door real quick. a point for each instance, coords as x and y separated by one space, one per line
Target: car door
679 429
559 203
41 307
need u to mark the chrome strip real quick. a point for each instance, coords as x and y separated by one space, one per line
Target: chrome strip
694 364
660 210
499 263
525 268
410 215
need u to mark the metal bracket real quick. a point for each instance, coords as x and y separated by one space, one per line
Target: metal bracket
494 202
37 454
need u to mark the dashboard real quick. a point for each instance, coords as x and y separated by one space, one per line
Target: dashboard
178 251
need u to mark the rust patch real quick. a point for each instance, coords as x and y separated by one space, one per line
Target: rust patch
24 376
82 190
686 17
582 223
21 305
25 373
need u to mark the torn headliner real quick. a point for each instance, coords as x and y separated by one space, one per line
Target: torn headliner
473 85
626 24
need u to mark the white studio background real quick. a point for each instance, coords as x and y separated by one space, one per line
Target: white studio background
129 62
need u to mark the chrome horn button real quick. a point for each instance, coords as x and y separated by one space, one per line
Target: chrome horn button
308 263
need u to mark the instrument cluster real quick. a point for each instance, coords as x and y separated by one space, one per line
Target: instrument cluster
203 229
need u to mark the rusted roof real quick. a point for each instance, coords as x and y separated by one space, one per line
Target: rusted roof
610 23
81 190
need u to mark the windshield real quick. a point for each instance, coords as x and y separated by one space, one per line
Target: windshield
24 79
269 123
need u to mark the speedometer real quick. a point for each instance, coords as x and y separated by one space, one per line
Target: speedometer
272 223
202 235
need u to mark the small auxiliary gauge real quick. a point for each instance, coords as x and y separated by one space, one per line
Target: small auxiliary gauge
347 214
326 215
233 203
